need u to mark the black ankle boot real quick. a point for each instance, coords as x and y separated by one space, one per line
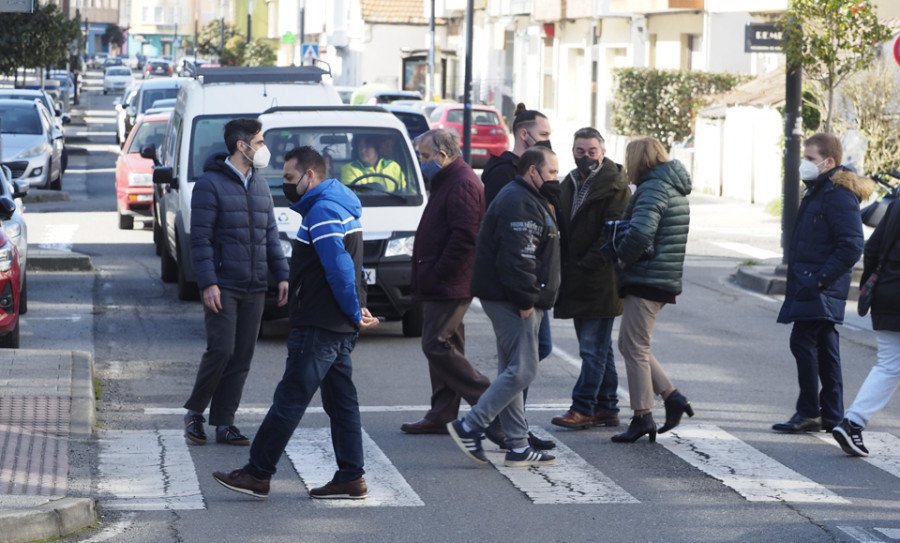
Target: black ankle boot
676 406
639 426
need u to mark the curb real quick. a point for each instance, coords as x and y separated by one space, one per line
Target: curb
773 280
40 259
52 520
83 412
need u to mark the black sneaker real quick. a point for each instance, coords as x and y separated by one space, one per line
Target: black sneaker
849 436
193 428
530 457
540 444
469 442
230 435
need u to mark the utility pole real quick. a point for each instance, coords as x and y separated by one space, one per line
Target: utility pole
467 102
429 90
302 34
249 19
793 132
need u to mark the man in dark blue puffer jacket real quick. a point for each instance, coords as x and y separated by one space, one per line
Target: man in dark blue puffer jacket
234 244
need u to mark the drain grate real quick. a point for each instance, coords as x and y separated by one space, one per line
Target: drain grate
34 435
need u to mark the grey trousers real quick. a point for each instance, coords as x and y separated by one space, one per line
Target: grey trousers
517 362
645 375
452 375
230 340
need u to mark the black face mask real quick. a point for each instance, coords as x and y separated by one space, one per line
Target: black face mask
550 190
290 192
586 165
543 143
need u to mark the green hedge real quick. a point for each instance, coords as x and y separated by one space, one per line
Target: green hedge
663 103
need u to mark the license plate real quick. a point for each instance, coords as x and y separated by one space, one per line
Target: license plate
370 276
144 197
479 152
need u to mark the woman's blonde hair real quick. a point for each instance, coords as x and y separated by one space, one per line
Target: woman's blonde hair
642 155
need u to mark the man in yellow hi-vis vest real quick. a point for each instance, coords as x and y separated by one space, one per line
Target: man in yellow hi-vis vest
367 161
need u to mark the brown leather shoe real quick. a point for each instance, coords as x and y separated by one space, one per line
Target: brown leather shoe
351 490
573 419
241 481
423 426
605 419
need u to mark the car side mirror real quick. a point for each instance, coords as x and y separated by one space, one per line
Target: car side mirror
7 208
130 111
20 189
66 118
163 175
149 151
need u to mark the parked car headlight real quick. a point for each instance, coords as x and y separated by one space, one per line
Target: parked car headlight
13 230
6 257
140 179
37 150
400 246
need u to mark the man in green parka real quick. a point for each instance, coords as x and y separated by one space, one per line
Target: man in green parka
594 192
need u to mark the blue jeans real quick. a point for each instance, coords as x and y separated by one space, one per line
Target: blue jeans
815 345
317 358
595 390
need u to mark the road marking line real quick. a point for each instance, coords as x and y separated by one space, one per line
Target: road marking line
571 480
362 409
884 450
893 533
748 250
140 473
58 236
310 451
859 534
746 470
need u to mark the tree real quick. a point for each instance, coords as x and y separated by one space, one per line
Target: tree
831 39
43 39
258 53
209 43
113 35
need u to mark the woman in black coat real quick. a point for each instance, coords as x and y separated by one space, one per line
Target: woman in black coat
882 249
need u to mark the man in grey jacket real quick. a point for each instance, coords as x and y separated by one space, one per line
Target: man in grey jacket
234 245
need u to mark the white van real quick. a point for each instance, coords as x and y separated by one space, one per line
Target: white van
196 129
391 191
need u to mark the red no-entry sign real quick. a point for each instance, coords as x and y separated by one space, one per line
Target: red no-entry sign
897 49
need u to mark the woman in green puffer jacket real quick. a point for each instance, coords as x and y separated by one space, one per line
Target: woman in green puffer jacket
659 216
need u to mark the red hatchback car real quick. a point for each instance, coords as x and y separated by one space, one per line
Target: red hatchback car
489 134
10 283
134 174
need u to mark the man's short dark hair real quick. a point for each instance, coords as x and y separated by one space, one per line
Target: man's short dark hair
240 130
828 145
307 159
589 132
533 156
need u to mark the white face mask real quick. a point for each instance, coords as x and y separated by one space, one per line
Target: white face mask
809 170
260 158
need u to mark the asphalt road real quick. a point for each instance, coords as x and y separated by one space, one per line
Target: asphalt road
719 344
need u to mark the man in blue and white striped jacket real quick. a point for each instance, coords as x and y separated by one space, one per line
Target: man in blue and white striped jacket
327 312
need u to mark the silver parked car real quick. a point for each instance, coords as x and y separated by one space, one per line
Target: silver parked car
59 118
31 145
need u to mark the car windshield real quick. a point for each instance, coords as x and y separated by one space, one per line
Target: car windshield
479 118
374 162
20 121
152 95
118 71
148 133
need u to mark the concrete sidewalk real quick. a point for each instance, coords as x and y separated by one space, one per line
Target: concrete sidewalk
46 402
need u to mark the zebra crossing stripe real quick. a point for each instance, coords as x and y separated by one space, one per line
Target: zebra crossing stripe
860 535
747 471
139 473
311 453
884 450
571 480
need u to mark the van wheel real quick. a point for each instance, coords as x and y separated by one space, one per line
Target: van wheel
65 159
412 321
126 222
168 267
187 290
55 184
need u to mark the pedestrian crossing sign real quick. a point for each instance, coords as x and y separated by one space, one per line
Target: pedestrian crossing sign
309 52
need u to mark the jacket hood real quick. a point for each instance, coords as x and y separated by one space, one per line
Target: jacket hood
862 187
331 190
609 179
672 173
507 158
